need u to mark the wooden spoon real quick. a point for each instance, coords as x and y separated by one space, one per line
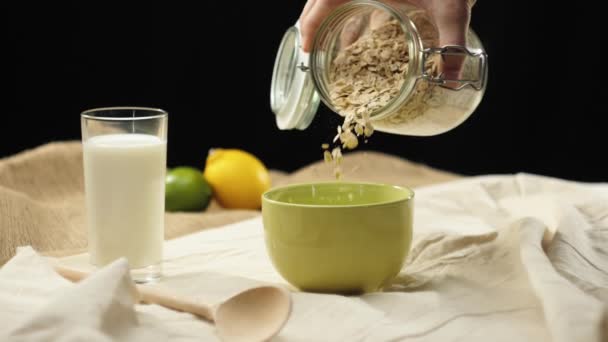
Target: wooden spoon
256 314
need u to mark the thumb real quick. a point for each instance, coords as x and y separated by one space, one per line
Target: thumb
452 20
313 15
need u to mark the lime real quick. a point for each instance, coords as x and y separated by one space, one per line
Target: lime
186 190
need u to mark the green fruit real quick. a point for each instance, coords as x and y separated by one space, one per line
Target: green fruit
186 190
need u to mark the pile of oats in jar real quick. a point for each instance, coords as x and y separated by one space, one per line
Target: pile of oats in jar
365 77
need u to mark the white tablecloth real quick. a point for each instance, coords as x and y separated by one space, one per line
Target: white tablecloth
500 258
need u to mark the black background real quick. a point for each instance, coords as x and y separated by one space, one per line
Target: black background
209 64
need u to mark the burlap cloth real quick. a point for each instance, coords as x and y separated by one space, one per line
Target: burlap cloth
42 196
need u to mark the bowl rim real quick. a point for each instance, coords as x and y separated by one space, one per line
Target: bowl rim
409 197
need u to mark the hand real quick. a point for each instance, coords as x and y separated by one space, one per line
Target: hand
450 16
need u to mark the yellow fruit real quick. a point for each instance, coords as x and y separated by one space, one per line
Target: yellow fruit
237 177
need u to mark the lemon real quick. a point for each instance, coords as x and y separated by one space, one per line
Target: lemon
237 177
186 190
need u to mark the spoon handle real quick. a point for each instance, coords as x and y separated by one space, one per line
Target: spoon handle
150 294
172 301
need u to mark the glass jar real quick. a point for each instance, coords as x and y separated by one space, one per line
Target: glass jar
380 73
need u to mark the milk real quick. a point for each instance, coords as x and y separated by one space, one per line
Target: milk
125 197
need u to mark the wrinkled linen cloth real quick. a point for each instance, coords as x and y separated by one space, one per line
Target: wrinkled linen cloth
494 258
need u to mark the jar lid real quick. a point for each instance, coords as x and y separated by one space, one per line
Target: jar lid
293 97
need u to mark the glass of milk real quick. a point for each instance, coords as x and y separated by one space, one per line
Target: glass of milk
125 157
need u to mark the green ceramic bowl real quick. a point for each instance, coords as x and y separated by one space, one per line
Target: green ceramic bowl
338 237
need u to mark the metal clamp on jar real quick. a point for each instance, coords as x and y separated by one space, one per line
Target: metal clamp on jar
383 74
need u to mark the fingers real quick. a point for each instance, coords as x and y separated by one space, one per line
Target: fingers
378 17
307 8
351 31
313 16
452 20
